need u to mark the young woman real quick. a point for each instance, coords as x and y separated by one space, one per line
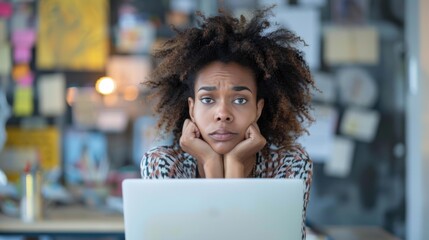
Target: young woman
236 98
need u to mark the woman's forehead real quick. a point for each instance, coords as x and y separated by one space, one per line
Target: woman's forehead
233 73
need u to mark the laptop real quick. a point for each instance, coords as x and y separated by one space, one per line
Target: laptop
196 209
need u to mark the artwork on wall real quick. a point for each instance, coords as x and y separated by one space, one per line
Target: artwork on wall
73 35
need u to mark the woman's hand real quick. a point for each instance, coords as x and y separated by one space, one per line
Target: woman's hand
239 162
210 164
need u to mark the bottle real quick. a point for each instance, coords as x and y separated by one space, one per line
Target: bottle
31 200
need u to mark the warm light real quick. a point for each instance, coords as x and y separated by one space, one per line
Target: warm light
131 93
71 95
105 85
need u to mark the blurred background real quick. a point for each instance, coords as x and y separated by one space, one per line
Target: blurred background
73 109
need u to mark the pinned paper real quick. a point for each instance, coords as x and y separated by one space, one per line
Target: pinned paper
85 108
83 153
23 101
136 38
128 70
357 87
340 161
45 140
22 75
51 92
75 41
3 31
5 59
24 37
319 144
112 120
360 124
22 54
344 45
5 10
304 22
27 80
20 71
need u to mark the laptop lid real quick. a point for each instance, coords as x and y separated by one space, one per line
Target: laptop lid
195 209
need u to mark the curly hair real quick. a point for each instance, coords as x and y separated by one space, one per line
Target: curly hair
283 77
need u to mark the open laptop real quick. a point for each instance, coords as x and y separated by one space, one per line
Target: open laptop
218 209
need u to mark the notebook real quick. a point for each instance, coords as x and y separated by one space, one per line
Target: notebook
195 209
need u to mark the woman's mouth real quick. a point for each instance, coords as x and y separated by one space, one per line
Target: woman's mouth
222 136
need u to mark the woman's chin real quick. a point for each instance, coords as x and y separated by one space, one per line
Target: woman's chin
222 149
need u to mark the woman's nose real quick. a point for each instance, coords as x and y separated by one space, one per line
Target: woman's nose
223 113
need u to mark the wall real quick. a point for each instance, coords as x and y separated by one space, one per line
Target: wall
424 57
417 120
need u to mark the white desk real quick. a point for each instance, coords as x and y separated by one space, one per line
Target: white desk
87 221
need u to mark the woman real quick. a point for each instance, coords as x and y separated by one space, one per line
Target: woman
236 98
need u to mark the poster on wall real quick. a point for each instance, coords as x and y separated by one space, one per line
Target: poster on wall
72 35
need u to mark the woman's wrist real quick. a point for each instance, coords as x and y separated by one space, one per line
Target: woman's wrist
213 168
234 169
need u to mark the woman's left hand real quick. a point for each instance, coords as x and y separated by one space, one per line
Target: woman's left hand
239 162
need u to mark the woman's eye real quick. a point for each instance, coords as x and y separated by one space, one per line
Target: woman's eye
240 101
206 100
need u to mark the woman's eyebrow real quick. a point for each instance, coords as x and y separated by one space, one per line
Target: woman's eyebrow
207 88
234 88
241 88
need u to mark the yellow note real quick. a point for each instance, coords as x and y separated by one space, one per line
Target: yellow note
45 141
23 101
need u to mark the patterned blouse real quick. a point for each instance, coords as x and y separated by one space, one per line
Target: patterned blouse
173 162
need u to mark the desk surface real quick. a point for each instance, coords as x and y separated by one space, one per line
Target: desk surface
82 220
66 219
359 233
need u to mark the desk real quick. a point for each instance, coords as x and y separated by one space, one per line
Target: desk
67 221
82 221
358 233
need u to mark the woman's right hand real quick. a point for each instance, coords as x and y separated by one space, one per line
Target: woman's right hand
210 163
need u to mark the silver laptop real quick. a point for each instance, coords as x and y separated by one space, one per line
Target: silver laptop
199 209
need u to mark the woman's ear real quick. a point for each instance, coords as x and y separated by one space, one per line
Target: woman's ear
191 108
259 107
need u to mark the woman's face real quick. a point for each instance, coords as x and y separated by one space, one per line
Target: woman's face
225 104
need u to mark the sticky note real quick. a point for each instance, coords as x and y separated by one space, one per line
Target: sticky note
5 9
5 59
23 101
22 54
20 70
51 93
